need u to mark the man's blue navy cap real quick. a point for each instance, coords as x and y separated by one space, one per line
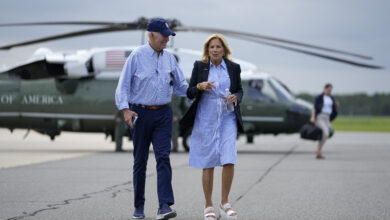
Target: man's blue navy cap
160 25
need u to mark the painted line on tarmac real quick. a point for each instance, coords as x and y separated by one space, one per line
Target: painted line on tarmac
113 189
268 171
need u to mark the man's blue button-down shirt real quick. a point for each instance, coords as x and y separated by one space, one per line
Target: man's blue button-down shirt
146 79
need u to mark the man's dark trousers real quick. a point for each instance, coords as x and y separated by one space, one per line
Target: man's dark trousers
152 126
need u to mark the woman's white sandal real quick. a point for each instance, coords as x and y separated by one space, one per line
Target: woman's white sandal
209 213
227 214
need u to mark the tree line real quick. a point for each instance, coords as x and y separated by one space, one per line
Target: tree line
360 104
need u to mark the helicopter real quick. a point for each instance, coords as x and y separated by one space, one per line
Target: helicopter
74 91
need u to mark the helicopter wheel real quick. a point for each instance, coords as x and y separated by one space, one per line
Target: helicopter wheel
249 138
53 133
117 136
186 142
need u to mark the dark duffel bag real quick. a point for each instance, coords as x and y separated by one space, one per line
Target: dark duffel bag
311 132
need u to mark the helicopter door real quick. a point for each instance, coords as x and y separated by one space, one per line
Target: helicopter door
9 103
262 110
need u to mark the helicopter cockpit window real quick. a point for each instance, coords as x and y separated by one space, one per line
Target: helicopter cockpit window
260 90
282 90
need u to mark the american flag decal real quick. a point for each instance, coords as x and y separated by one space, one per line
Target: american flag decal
116 58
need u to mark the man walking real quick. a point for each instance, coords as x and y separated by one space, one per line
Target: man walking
144 91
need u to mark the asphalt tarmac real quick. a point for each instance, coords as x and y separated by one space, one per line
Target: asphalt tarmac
78 176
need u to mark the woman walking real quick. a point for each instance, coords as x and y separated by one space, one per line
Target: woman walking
216 91
324 111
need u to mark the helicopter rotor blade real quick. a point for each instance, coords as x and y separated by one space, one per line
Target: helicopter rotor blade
57 23
141 24
337 59
74 34
175 24
264 37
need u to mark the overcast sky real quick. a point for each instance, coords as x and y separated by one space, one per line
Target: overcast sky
359 26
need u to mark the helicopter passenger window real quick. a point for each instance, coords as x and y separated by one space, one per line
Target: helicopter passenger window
259 90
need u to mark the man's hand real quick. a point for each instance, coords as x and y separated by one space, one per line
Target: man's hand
128 115
207 86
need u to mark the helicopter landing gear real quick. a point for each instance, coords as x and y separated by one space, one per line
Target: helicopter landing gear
118 136
51 133
249 138
186 141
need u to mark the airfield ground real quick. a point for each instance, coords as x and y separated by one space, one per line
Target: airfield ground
78 176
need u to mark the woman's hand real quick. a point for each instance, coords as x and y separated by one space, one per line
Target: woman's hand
207 86
312 117
231 99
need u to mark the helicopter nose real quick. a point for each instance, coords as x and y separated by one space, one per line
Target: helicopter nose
297 116
298 109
